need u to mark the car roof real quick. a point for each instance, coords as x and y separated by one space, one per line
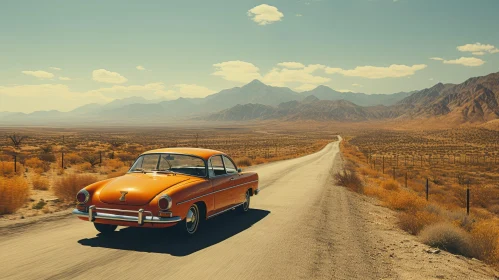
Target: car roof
202 153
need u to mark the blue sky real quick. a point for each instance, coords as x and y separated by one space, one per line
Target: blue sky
63 54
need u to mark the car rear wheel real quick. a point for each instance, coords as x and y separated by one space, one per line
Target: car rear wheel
192 220
105 229
246 204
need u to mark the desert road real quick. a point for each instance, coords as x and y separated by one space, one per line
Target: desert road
301 226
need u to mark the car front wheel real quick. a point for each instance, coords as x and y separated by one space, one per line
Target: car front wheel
105 229
192 220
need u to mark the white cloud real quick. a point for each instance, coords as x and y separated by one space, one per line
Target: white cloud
305 87
314 67
466 61
265 14
437 58
478 48
140 68
357 85
291 65
154 90
119 91
39 74
343 90
55 68
28 98
375 72
299 15
283 76
64 78
237 71
192 90
105 76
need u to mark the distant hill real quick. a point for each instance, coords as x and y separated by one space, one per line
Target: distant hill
135 109
311 108
362 99
474 101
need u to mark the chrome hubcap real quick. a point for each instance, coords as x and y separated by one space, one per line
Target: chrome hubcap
192 219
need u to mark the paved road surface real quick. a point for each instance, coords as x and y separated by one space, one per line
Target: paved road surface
300 226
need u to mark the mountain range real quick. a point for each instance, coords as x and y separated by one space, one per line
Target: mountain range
138 109
475 100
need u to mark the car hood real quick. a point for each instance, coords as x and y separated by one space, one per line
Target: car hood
140 188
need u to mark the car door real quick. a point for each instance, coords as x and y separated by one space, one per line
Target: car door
221 182
236 192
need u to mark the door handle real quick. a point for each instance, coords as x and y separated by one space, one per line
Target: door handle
232 179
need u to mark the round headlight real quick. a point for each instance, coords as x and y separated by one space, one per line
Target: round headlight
164 202
82 196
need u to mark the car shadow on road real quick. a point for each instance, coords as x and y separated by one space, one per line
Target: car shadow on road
173 242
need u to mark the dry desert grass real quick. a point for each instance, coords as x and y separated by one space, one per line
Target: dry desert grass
440 221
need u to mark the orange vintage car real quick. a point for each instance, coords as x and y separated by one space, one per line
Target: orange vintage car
167 187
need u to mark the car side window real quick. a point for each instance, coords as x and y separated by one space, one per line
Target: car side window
230 167
217 166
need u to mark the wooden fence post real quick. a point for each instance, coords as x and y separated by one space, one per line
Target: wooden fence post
468 199
427 189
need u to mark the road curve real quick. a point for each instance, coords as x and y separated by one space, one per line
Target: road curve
300 226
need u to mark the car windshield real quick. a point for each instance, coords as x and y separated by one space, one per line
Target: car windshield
170 163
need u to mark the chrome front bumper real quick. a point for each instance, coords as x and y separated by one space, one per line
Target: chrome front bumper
141 218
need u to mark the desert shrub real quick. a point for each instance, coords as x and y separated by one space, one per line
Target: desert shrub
40 183
37 165
39 205
350 180
72 158
374 190
366 171
68 186
404 200
390 185
243 162
7 169
485 240
48 157
260 160
91 158
127 157
84 167
414 222
113 164
494 209
448 237
33 163
14 192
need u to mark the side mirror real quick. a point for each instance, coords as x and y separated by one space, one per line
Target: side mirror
239 170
